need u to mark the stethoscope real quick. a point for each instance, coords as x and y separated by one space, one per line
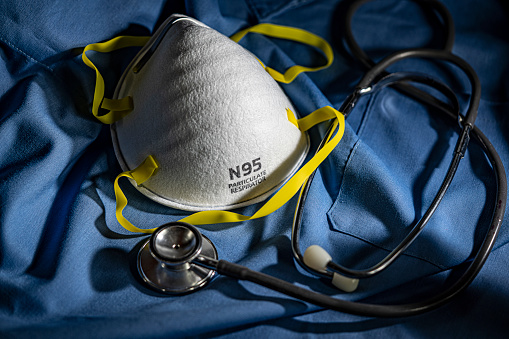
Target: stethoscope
178 259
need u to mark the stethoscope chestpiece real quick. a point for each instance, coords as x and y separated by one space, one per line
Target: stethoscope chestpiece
165 261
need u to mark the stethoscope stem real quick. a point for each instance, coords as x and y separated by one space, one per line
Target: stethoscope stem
206 262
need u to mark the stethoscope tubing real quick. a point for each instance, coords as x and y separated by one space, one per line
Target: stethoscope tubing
364 86
468 128
393 79
358 53
367 83
399 310
376 71
475 96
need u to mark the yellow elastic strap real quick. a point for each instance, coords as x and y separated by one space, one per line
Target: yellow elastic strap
292 186
294 34
117 108
287 191
327 138
140 174
291 117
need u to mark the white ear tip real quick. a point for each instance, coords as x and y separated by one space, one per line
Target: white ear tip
344 283
317 258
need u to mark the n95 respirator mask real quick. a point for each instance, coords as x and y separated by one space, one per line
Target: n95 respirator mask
201 119
214 119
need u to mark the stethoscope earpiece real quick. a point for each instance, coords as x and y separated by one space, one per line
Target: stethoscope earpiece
165 261
317 258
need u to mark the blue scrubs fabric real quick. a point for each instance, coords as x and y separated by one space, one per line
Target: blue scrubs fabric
66 265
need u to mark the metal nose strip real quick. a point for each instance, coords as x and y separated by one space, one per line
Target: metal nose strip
139 65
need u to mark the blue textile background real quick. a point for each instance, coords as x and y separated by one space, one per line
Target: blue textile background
65 262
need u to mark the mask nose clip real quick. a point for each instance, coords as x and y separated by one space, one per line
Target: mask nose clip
165 261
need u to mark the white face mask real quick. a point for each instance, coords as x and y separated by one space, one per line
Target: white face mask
206 114
214 119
